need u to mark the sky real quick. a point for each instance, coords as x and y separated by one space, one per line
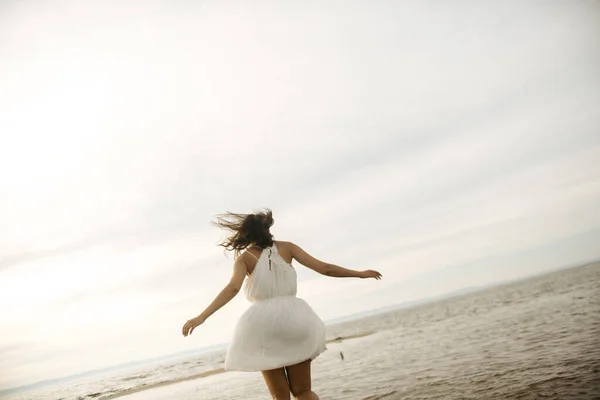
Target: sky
447 146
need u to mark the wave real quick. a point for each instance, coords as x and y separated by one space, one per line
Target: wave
348 337
381 396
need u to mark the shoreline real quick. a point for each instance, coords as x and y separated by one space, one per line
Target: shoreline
211 372
164 383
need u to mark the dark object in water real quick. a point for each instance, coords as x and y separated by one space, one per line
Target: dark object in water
342 356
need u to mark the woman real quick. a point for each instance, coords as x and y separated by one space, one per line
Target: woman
279 334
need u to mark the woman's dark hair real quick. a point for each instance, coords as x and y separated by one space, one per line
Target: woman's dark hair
246 230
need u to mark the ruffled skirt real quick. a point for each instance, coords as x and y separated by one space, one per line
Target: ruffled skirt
275 333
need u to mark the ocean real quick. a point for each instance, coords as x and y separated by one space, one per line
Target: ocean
537 338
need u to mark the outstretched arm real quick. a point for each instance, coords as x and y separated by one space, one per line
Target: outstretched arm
329 269
228 293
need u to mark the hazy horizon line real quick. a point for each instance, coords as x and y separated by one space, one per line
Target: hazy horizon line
342 319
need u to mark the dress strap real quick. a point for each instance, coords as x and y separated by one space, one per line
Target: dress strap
251 254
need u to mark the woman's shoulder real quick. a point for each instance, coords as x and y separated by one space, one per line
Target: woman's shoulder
283 244
285 250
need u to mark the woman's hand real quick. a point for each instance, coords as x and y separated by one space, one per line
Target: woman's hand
369 274
189 326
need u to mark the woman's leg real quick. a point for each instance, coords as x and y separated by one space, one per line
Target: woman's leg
300 382
277 383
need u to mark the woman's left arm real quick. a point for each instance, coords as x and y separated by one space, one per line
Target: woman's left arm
228 293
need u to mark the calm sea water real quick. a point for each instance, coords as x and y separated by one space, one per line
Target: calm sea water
538 338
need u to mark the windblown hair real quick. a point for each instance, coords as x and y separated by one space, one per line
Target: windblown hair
246 230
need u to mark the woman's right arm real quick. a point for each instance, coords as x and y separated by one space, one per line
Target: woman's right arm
328 269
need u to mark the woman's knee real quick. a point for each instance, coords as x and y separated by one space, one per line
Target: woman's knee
300 387
299 391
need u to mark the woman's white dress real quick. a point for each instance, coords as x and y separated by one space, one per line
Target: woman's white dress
279 329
